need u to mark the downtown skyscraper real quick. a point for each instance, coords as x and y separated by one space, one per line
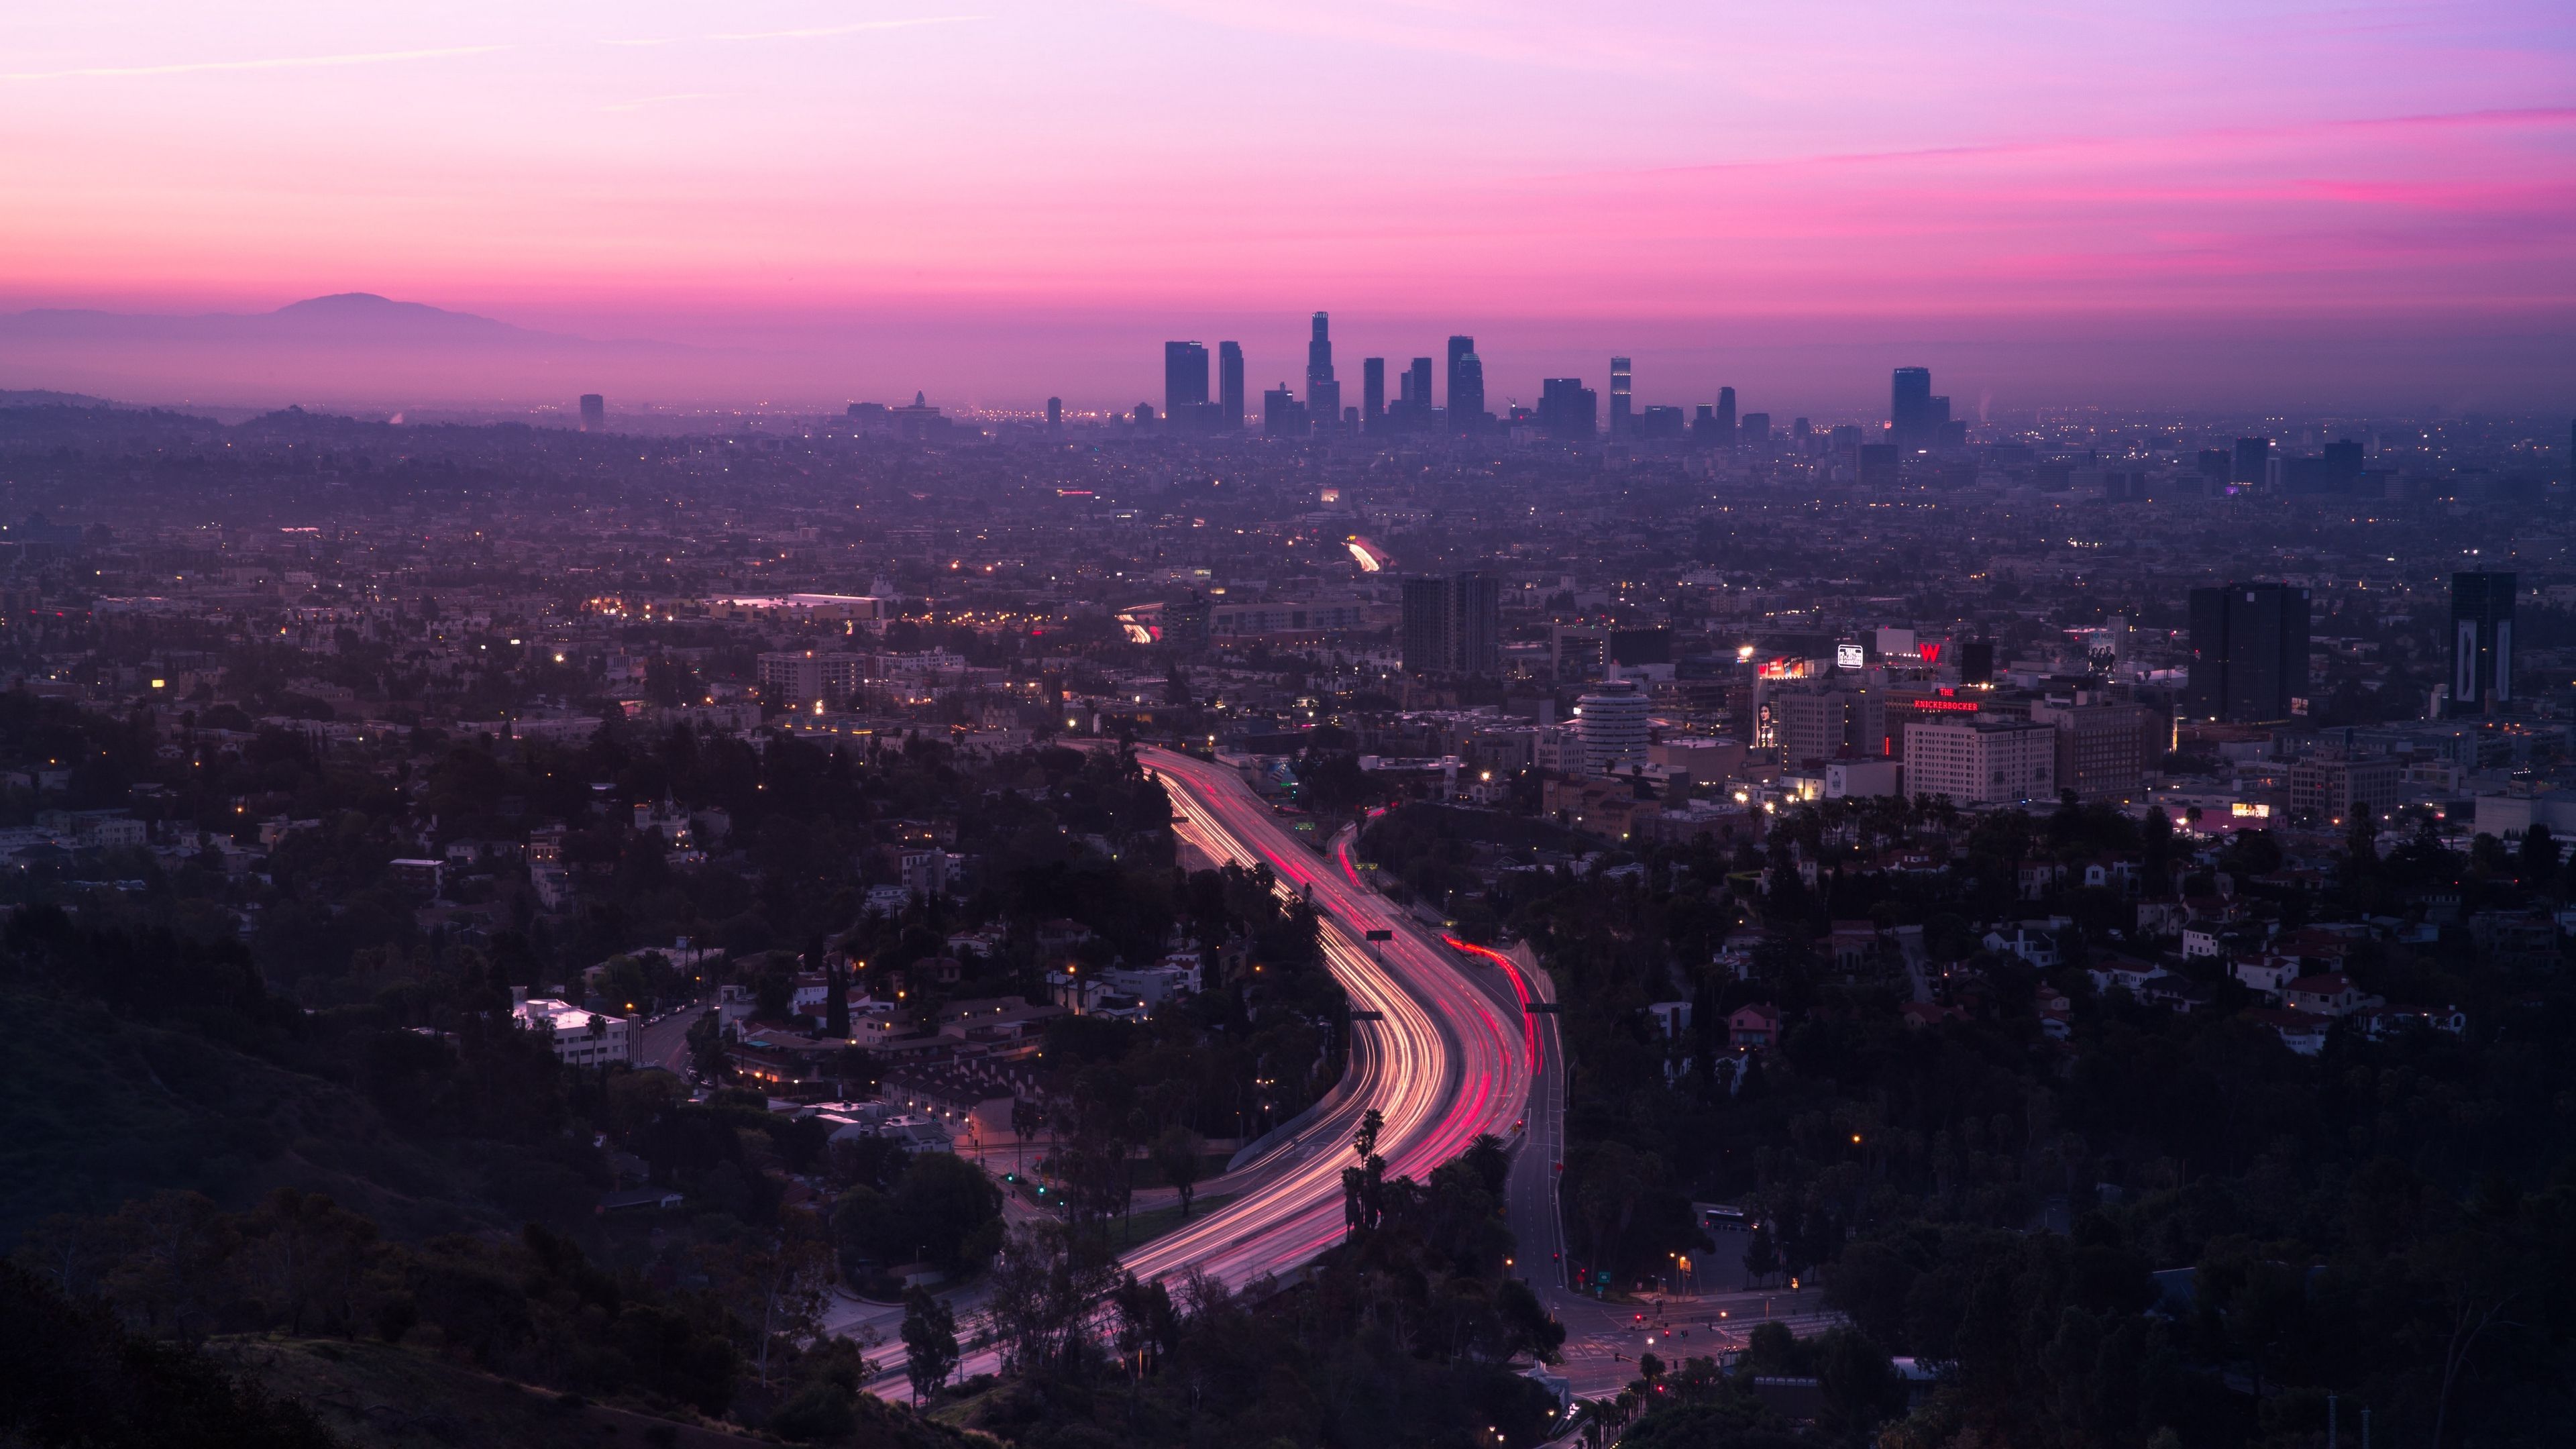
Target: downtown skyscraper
1229 385
1323 394
1466 386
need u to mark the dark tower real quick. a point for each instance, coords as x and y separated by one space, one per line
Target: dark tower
2251 460
1372 393
1909 409
1229 385
2249 652
1323 395
594 413
1622 405
1466 392
2481 643
1726 417
1055 415
1466 399
1185 381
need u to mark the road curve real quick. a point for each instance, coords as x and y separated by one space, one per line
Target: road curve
1449 1057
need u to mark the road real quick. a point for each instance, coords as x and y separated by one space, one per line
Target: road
1448 1057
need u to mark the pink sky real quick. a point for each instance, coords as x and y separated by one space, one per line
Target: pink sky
1000 200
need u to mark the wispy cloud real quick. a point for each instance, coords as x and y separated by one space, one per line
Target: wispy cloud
640 102
815 32
284 62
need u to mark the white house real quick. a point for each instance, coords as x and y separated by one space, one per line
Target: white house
581 1038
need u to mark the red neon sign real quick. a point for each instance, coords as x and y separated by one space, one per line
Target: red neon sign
1931 652
1966 706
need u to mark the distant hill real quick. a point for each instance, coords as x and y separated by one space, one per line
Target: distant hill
343 319
40 398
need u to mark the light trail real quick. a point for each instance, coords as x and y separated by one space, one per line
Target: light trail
1437 1066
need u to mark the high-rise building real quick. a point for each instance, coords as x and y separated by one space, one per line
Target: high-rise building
1419 375
594 413
2481 643
1612 722
1910 422
1757 431
1185 381
1726 417
1453 626
1229 385
1372 393
1703 428
1978 761
1568 409
1282 416
2249 653
1466 386
2101 745
1622 404
1323 394
1055 414
2252 461
1467 400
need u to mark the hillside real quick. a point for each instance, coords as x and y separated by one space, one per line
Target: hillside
376 1396
97 1109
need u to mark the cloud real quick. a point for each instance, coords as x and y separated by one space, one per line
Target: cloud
809 33
641 102
287 62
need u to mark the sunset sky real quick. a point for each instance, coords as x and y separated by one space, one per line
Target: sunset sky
995 200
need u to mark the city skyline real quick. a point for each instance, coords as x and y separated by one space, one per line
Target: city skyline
996 205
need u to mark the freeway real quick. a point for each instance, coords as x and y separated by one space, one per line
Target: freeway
1454 1061
1448 1056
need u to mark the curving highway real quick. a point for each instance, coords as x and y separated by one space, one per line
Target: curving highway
1450 1056
1447 1062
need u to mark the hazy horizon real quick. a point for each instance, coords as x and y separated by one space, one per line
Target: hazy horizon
2368 208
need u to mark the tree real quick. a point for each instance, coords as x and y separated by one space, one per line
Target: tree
1178 1154
929 1342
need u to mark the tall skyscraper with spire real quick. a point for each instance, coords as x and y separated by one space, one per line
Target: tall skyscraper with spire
1323 394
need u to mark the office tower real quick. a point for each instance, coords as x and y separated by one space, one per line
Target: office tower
2253 460
1185 381
1801 430
1909 408
1622 405
1419 377
1975 761
1323 395
1282 416
2341 466
2215 464
1453 626
1726 417
1055 415
1466 400
1373 394
1976 661
2481 643
1703 428
1567 409
1658 421
1467 395
594 413
1757 431
1229 385
2249 653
